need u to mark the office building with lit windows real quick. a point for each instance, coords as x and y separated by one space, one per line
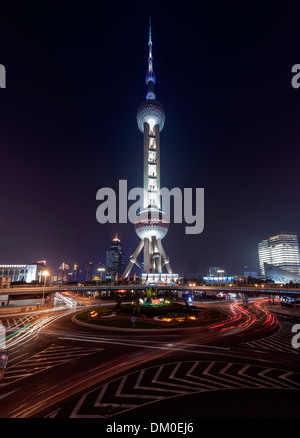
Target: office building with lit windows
280 250
28 273
115 260
89 271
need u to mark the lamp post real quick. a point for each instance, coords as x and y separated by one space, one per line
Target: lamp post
220 271
101 270
45 274
192 285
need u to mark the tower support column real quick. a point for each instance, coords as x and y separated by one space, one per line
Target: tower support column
133 259
156 256
165 258
146 255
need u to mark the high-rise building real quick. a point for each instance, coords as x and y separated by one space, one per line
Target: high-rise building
115 260
215 271
75 272
281 250
152 225
89 271
63 272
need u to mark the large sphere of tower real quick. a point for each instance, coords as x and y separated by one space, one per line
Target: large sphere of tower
151 111
151 222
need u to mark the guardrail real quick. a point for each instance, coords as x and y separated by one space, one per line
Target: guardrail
233 289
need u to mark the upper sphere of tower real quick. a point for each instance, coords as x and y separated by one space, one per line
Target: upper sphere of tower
150 110
151 222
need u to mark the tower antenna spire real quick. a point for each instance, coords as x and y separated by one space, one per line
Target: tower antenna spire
150 41
150 76
150 59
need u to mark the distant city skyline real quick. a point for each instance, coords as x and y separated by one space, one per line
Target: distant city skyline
280 250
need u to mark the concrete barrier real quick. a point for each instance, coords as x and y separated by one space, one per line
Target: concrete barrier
7 310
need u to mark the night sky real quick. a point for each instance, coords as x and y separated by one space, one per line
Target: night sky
75 78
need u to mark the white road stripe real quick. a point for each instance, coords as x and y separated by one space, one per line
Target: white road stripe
263 374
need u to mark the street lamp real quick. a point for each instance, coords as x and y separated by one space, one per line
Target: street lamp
45 274
192 285
101 270
220 271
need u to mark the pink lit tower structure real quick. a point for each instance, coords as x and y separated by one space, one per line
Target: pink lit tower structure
151 226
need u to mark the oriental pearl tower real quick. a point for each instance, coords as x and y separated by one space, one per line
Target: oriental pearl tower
151 226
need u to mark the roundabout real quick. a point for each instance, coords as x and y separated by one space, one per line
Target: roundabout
150 313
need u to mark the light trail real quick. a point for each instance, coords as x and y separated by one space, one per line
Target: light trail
31 330
240 319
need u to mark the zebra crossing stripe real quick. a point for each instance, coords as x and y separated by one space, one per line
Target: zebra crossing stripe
110 398
190 382
263 374
120 394
261 383
211 381
207 373
274 345
280 341
42 361
243 379
289 373
100 396
187 388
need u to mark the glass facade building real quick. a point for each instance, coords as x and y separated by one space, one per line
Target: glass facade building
281 250
115 260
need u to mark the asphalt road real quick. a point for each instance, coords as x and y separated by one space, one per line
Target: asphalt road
244 367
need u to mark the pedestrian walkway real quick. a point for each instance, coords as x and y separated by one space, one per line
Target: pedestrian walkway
13 324
277 308
48 358
279 341
160 382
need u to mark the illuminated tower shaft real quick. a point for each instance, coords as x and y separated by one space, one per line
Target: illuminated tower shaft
151 226
151 165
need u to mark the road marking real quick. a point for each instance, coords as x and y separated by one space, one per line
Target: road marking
132 344
110 394
261 383
215 384
207 373
263 374
41 362
8 393
45 390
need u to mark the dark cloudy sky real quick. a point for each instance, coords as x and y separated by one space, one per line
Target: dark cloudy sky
75 77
